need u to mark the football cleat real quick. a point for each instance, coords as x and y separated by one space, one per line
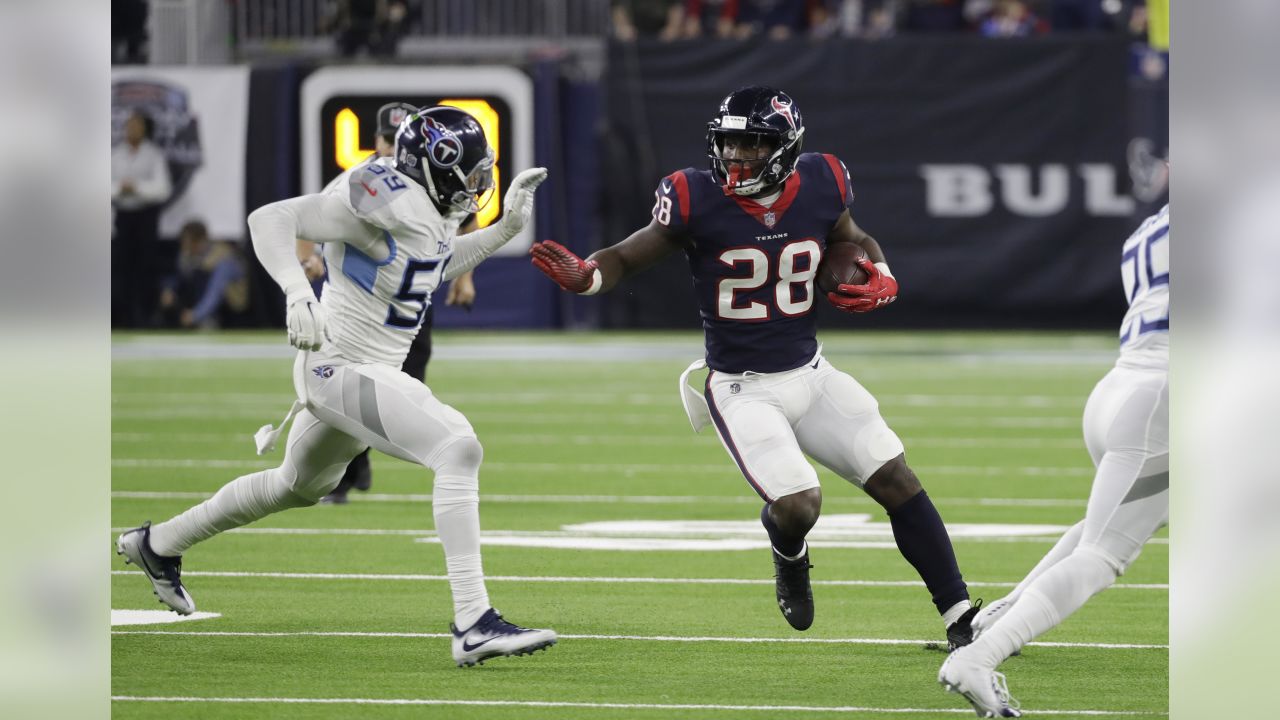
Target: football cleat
491 637
985 689
165 573
960 632
795 594
989 615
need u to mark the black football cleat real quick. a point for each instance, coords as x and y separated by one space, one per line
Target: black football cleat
491 637
165 573
960 632
795 595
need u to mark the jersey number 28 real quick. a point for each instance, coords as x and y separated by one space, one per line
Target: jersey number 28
793 286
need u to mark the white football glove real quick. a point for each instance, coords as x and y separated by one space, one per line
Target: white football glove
306 322
519 201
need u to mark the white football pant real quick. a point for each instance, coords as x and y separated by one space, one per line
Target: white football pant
351 406
1126 429
768 422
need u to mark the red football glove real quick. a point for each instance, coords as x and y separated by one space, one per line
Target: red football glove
568 270
879 290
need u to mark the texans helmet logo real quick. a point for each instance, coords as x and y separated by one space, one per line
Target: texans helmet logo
783 109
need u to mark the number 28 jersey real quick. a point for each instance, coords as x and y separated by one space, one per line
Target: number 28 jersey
754 266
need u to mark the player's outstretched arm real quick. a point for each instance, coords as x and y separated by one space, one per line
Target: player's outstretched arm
607 267
880 289
471 249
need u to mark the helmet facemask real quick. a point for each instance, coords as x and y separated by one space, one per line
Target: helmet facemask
759 161
465 191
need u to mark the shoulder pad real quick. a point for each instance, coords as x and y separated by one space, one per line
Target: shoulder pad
371 192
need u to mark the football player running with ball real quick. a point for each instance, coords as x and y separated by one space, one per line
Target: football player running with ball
754 228
1126 429
388 230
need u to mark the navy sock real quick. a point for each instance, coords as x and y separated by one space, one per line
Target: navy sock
783 543
923 541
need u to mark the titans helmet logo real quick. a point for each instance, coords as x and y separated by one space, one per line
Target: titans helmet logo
444 150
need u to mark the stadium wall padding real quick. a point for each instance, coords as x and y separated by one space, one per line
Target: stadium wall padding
1036 129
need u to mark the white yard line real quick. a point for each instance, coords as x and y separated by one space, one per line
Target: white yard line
626 499
847 709
632 440
619 398
635 638
671 415
622 469
606 580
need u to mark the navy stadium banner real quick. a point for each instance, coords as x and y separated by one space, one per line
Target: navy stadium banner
994 173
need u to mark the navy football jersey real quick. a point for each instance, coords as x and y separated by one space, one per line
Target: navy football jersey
753 266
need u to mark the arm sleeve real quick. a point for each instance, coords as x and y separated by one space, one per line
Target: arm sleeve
321 218
471 249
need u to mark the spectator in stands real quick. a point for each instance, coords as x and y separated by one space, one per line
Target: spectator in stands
776 19
662 19
711 18
864 18
1012 18
128 31
210 288
1077 15
139 186
372 25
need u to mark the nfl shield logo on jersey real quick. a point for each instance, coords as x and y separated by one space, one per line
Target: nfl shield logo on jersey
770 218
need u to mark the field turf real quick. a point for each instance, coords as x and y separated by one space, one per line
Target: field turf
343 611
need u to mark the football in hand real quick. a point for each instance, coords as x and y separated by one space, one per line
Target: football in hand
840 266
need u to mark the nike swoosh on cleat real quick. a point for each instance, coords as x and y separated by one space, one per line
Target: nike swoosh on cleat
468 647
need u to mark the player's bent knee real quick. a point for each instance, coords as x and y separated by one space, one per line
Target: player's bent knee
462 456
799 509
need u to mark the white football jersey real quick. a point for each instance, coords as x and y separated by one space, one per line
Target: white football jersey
1144 265
375 308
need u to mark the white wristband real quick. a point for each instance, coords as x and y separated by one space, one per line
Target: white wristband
884 269
596 281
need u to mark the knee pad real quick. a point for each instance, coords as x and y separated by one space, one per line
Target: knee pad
461 457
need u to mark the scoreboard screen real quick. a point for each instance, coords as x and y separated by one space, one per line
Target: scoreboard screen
340 117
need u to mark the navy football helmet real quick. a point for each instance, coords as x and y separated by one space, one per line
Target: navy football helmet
764 133
444 149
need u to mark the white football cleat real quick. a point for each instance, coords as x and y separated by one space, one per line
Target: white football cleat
984 688
491 636
165 573
989 615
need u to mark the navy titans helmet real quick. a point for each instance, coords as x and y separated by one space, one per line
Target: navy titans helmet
444 149
755 117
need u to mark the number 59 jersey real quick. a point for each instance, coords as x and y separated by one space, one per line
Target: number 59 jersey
1144 266
375 307
754 265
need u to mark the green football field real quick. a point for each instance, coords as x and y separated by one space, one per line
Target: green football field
608 520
